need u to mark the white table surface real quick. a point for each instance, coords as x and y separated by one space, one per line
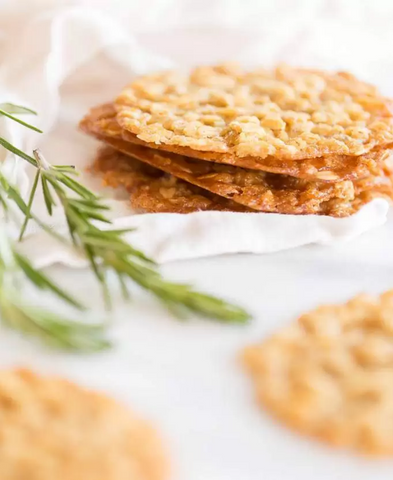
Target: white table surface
186 377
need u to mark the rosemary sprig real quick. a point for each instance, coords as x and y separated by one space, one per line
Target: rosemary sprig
105 249
49 327
38 322
41 323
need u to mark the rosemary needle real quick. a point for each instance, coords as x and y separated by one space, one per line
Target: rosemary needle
43 324
9 109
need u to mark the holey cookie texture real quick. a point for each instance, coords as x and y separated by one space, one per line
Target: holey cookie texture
330 374
286 113
51 429
267 192
154 191
101 122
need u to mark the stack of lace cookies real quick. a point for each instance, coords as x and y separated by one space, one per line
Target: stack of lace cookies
286 140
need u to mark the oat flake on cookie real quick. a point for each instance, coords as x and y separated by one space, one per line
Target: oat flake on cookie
287 113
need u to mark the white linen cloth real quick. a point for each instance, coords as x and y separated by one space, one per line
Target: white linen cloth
71 58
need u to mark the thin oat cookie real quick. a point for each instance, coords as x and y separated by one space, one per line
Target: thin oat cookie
117 170
261 191
286 113
330 169
254 189
52 429
330 374
101 122
171 195
154 191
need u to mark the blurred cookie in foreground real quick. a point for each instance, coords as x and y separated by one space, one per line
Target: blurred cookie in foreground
329 375
52 429
151 190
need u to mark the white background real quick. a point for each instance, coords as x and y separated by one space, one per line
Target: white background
186 376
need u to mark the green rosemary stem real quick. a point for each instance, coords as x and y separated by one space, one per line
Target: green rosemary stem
30 204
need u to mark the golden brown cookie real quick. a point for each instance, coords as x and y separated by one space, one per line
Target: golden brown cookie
163 192
379 185
330 374
254 189
101 121
261 191
286 113
151 190
171 195
52 429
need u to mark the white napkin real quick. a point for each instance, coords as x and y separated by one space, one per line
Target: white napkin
71 58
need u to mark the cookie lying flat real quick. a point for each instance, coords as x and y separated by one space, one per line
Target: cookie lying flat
330 374
287 113
154 191
101 120
51 429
